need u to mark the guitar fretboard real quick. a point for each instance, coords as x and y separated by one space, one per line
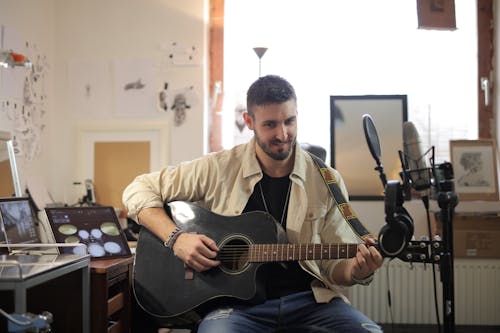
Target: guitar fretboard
292 252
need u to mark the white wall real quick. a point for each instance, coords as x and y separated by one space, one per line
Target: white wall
82 40
28 21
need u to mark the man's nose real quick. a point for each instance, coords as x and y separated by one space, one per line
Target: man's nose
283 133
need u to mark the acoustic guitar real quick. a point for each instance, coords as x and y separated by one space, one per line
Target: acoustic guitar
165 287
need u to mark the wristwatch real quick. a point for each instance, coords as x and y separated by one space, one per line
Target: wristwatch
364 282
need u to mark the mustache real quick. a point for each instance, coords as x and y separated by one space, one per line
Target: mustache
278 141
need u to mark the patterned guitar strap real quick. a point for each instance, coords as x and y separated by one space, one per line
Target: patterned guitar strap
344 207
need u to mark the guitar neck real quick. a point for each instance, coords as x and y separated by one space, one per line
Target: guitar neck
293 252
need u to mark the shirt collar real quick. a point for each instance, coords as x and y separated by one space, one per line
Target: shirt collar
299 167
251 165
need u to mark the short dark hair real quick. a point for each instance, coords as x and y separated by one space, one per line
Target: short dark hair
269 89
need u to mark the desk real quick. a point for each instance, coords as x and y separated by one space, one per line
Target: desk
111 281
37 283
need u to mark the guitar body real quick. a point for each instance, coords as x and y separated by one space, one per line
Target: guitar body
163 287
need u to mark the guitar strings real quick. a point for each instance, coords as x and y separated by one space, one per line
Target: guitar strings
291 244
233 252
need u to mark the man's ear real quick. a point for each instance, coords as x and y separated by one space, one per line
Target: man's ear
248 120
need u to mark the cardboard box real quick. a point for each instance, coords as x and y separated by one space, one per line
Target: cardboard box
475 235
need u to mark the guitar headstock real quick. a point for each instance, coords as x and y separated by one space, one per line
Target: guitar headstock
422 251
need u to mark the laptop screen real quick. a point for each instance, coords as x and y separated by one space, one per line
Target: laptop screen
18 221
95 226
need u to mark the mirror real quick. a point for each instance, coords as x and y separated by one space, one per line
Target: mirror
348 146
9 176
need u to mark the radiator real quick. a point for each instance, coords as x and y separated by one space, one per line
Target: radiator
477 293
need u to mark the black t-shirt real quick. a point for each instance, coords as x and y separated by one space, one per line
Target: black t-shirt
282 278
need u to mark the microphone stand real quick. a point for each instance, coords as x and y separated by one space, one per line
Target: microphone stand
447 200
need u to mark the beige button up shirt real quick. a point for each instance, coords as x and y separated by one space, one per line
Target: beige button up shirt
223 182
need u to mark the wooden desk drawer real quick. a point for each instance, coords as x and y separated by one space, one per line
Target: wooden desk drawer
111 285
116 303
116 327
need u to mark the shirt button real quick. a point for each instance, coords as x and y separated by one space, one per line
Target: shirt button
237 212
311 215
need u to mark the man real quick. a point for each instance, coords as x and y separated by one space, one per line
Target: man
270 173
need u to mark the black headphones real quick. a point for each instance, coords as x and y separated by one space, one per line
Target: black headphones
397 233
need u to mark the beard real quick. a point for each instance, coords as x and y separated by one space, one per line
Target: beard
282 153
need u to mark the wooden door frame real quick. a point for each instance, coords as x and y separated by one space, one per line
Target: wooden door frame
216 72
486 113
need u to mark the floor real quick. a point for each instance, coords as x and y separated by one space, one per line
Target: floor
434 329
409 329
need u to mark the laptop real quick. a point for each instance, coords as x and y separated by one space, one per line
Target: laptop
18 224
97 227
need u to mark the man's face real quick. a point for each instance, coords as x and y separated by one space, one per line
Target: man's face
275 128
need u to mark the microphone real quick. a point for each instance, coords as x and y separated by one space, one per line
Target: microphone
417 168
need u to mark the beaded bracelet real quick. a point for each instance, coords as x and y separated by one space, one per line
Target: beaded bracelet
173 237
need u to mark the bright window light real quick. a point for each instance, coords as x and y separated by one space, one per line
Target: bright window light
356 47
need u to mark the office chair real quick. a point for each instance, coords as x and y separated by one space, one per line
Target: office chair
315 149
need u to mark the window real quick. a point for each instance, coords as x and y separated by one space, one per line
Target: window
357 47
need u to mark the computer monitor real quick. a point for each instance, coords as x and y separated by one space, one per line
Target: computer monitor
96 226
18 222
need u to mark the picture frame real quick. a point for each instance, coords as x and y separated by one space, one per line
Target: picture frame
475 169
436 14
349 152
106 149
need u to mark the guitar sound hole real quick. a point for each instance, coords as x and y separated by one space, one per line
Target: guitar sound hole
233 255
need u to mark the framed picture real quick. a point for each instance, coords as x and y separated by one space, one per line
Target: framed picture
475 167
349 151
436 14
106 150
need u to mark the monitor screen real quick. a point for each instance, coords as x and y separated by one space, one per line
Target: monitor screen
95 226
18 221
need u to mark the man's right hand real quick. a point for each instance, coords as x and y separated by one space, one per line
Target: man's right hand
197 251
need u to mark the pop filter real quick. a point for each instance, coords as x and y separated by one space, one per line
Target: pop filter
374 145
372 137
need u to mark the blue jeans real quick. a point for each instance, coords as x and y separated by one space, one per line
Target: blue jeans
293 313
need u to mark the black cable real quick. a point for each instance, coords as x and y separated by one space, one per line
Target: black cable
389 300
436 306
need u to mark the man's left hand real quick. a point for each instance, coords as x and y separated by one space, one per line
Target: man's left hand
368 259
